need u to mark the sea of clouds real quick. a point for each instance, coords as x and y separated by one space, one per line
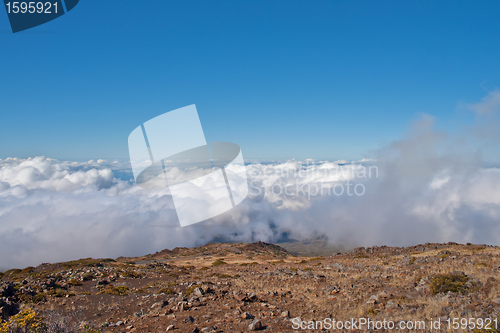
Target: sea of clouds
430 186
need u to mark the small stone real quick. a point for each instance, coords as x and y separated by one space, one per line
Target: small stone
170 328
391 305
256 325
119 323
198 292
195 330
285 314
383 294
246 315
182 306
189 319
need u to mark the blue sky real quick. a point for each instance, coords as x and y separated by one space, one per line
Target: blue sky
283 79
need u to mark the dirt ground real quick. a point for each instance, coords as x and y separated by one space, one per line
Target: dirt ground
260 286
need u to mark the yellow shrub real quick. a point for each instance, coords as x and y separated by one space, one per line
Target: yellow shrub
27 320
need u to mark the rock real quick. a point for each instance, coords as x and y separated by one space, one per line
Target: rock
189 319
391 305
182 306
372 300
102 282
160 305
256 325
198 292
119 323
383 295
320 277
246 315
285 314
6 289
250 298
421 289
336 267
170 328
333 289
195 330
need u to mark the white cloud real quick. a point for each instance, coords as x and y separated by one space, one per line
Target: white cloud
424 188
488 104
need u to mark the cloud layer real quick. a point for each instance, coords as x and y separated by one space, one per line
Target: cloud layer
426 187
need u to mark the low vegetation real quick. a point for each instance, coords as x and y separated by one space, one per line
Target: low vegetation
219 262
419 282
112 290
444 283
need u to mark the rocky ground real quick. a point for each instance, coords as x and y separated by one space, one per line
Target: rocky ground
259 286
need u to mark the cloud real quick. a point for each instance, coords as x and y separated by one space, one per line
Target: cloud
425 187
488 104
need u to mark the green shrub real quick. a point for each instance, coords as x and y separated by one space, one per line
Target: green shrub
482 264
27 270
224 276
58 292
166 291
27 298
219 262
12 272
118 290
361 256
108 260
190 290
88 262
443 283
74 282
